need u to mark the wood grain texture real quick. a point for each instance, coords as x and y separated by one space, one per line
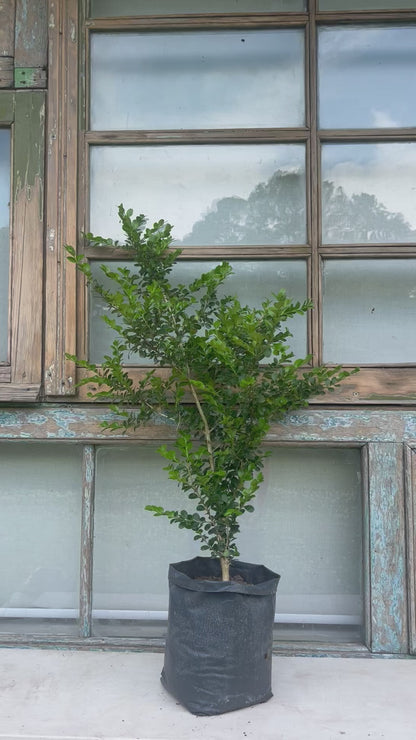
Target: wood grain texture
388 581
27 242
7 16
371 386
61 229
31 34
6 72
87 537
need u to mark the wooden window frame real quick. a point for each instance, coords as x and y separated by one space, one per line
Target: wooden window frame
388 451
374 384
24 112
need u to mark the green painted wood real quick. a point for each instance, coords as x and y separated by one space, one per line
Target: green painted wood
29 77
7 99
29 154
388 577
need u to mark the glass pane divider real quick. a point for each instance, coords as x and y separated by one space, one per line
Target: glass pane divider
183 23
373 134
197 136
87 536
357 251
358 16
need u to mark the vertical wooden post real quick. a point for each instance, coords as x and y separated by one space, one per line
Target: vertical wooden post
62 173
7 15
410 481
30 54
87 536
389 621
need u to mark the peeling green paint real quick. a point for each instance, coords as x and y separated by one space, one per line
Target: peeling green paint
29 77
29 155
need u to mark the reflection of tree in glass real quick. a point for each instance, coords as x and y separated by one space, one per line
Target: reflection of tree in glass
360 218
274 213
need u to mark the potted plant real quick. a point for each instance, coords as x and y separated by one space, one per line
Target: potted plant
231 374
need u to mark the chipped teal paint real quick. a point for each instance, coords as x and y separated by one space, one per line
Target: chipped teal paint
383 431
387 549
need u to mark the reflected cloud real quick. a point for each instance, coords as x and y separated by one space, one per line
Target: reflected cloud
379 177
202 79
181 182
366 69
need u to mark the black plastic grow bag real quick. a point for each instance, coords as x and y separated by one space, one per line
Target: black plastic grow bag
219 641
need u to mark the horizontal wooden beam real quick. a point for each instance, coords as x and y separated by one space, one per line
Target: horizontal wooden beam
311 426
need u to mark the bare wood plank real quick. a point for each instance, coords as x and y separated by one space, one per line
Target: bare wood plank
410 493
375 134
387 549
5 374
356 16
31 34
87 536
7 16
392 251
211 252
62 161
371 386
19 392
260 20
375 385
139 645
27 242
6 72
200 136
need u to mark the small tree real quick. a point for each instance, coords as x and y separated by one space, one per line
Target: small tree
219 396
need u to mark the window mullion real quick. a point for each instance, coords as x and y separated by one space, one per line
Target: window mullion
87 536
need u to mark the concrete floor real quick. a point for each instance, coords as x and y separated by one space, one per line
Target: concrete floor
47 694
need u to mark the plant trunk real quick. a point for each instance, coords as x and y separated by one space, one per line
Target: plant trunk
225 569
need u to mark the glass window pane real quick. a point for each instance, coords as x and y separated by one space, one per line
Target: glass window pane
366 4
366 75
40 503
206 79
307 526
132 549
212 194
369 311
368 193
252 282
103 8
4 240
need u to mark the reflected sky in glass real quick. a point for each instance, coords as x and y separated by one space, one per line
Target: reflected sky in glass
4 239
252 281
367 77
40 506
369 193
369 311
204 79
212 194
